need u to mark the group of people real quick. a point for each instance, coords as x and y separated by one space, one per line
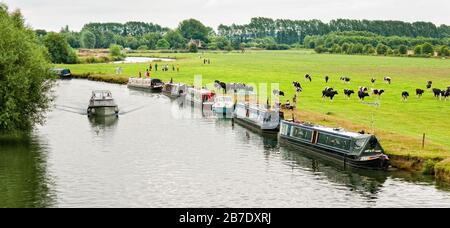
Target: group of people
164 67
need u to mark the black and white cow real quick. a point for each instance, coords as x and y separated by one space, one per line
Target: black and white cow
362 92
378 92
373 80
278 93
308 77
327 79
419 92
437 92
345 79
348 93
329 92
405 95
388 80
429 84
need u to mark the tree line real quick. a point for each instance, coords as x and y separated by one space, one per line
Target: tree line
370 43
264 33
295 31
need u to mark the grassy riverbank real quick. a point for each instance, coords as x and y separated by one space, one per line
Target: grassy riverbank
399 125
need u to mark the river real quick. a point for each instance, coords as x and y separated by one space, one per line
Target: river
150 157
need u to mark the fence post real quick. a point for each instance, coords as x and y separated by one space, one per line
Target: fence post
423 141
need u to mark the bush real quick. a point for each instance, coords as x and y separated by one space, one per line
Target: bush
320 49
345 48
193 48
418 50
428 167
427 48
443 51
368 49
403 49
115 51
336 49
382 49
143 48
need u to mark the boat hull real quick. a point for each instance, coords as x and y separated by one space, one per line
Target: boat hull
103 111
338 158
157 89
255 127
223 110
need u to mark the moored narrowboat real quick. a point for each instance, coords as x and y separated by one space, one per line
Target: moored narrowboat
62 73
257 118
350 148
174 90
223 105
203 98
146 84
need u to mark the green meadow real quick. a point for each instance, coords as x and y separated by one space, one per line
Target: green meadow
398 122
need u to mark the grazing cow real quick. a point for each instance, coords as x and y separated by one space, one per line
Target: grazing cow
445 93
364 89
345 79
437 92
373 80
326 79
362 94
419 92
329 92
308 77
405 95
298 87
388 80
278 93
377 92
429 84
348 93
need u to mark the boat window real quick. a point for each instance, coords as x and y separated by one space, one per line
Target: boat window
333 141
358 144
284 129
301 133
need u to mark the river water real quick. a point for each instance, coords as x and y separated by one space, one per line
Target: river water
150 157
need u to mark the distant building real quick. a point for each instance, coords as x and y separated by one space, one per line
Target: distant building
198 43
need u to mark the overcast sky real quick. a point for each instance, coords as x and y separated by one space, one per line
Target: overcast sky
54 14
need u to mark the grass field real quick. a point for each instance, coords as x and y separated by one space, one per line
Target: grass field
400 125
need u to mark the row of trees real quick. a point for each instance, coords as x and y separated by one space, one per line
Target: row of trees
370 43
294 31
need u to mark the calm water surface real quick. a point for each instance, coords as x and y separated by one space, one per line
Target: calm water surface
154 155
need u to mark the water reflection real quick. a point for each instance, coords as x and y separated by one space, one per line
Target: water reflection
24 181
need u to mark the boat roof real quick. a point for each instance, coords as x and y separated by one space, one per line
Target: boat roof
335 131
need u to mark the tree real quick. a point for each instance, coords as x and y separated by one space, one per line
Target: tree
345 48
162 44
88 40
427 49
418 50
336 49
25 80
382 49
443 51
193 29
368 49
150 40
357 48
59 49
115 51
219 42
175 39
403 49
